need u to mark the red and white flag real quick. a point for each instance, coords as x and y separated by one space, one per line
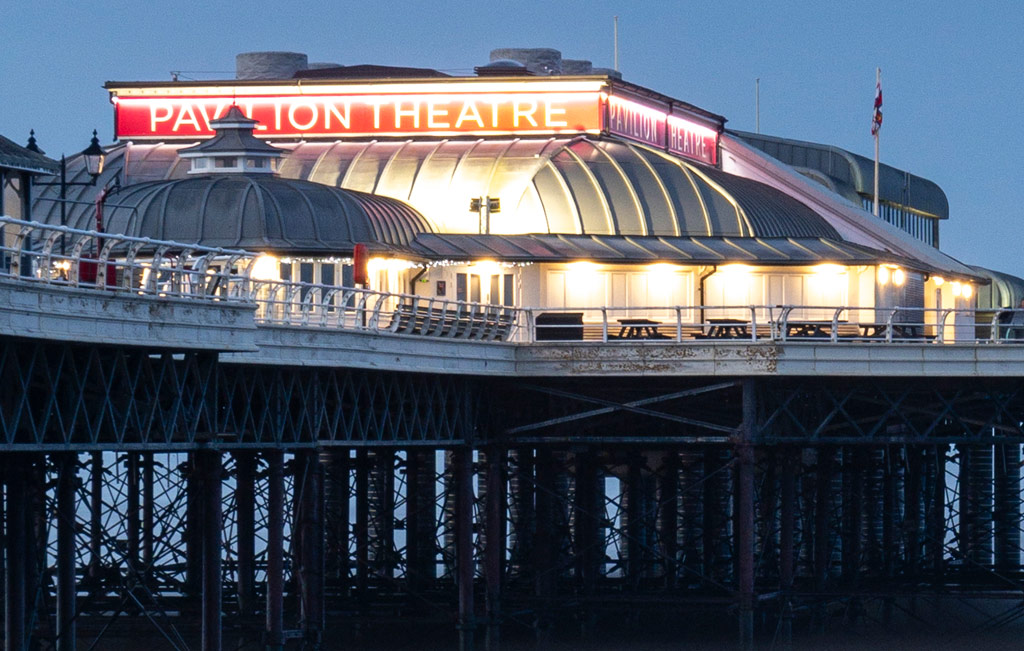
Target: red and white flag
876 120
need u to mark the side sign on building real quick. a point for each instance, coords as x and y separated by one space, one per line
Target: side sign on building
460 108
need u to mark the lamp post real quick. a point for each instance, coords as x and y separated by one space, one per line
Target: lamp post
94 156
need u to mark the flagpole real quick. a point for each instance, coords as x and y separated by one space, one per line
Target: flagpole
878 84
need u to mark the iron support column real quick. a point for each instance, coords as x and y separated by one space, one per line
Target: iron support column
362 523
745 506
148 520
133 515
668 527
209 462
14 584
1006 506
308 483
419 519
275 549
787 525
95 519
245 518
463 461
494 552
68 468
336 514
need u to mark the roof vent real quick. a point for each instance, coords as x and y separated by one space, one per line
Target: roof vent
502 68
538 60
269 65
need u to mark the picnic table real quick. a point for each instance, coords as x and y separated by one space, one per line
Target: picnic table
810 329
639 329
724 328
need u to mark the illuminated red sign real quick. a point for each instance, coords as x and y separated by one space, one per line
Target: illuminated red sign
691 140
636 121
316 116
535 107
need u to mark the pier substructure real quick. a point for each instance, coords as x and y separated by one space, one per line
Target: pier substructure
209 505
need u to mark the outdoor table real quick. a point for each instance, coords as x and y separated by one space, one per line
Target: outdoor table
899 330
815 329
728 328
639 329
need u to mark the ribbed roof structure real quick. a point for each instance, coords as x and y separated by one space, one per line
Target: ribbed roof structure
259 212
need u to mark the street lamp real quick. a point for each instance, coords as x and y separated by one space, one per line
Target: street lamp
93 155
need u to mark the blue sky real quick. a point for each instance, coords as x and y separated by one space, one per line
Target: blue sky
951 72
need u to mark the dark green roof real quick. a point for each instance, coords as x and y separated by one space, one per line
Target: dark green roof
852 175
15 157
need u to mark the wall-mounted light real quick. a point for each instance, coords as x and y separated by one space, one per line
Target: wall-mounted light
883 275
938 280
967 291
487 267
958 289
265 267
898 277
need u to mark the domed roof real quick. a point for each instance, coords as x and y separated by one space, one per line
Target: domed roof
258 212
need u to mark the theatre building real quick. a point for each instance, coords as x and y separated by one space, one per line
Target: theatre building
533 349
505 187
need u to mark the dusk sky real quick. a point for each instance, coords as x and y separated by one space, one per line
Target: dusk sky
951 72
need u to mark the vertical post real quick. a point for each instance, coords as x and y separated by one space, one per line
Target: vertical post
937 524
14 584
193 524
635 508
787 525
912 508
745 520
464 569
669 521
245 517
308 482
95 518
68 467
209 462
275 549
148 519
495 550
419 518
336 514
362 524
1006 506
133 515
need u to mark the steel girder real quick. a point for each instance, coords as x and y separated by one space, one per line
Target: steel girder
80 396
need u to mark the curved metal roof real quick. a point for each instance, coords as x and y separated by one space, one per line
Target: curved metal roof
256 212
852 175
555 186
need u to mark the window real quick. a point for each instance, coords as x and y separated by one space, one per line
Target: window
508 297
474 288
225 161
460 287
257 163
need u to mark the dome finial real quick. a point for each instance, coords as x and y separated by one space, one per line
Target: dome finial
233 149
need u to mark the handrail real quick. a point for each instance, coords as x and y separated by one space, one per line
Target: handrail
97 261
71 257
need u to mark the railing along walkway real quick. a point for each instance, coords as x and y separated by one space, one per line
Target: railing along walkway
67 257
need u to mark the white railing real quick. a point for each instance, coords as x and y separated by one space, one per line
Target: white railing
775 323
69 257
56 255
325 306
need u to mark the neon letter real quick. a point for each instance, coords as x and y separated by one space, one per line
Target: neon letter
469 112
